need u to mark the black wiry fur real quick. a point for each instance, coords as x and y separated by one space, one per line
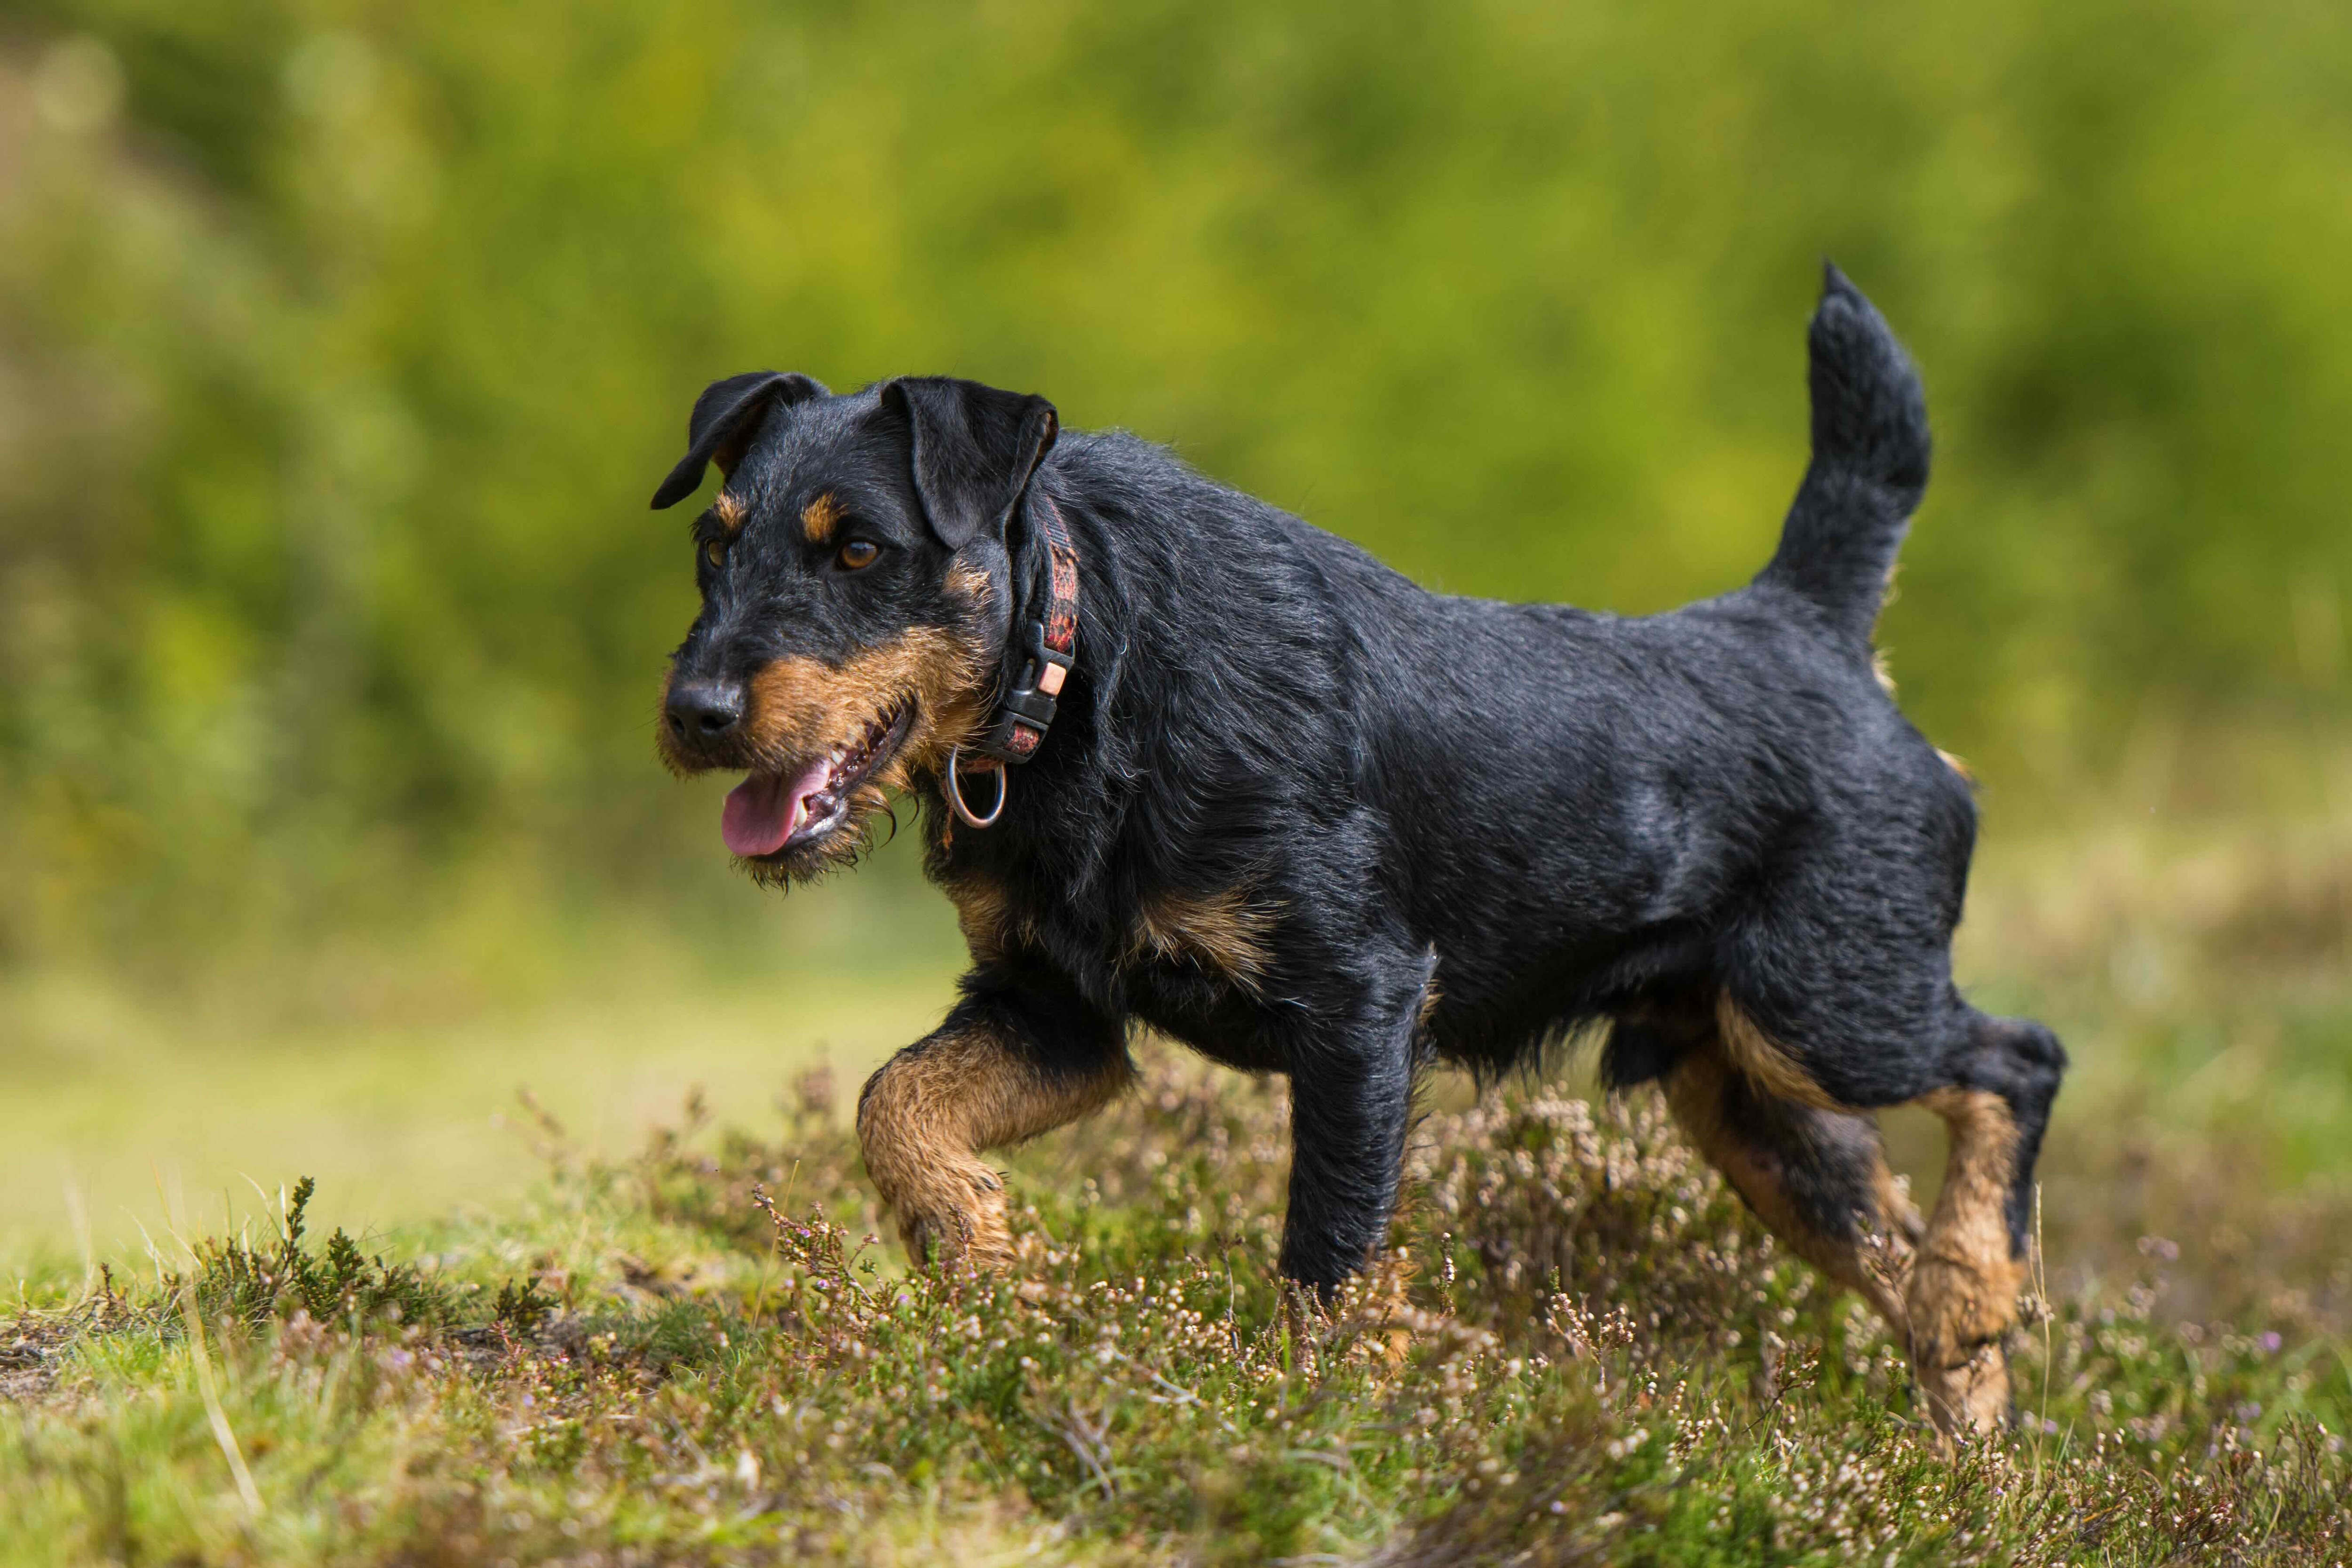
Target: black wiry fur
1555 818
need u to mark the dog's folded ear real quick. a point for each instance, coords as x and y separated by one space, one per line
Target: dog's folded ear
725 418
974 449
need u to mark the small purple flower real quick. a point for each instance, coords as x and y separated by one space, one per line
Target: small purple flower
2271 1343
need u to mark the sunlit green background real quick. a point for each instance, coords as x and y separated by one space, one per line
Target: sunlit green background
342 343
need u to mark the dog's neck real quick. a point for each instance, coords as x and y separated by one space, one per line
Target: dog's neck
1062 799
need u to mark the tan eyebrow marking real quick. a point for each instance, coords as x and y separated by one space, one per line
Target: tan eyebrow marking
731 511
818 518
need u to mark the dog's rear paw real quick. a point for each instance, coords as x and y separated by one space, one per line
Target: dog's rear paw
1959 1311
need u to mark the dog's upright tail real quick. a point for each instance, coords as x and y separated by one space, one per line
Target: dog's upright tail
1869 467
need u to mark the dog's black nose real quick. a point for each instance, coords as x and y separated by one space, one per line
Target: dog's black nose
705 710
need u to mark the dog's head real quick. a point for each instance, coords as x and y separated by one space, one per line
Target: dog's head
856 597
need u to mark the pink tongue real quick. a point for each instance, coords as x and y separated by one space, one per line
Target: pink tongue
767 809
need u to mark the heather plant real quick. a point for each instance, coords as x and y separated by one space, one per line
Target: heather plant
1581 1348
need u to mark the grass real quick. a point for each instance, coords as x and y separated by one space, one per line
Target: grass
397 1120
1581 1348
392 1077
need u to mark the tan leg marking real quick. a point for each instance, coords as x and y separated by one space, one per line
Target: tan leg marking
924 1117
1895 1205
1964 1285
1696 1093
1223 932
1766 1062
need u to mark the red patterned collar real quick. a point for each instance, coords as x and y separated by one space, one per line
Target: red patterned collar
1048 644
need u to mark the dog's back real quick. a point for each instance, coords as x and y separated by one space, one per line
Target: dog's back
1574 807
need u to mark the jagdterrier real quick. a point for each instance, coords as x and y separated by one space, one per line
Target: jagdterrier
1186 760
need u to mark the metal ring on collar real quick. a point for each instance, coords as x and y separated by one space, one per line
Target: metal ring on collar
955 794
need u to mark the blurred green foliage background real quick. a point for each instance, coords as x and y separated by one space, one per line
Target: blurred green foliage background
341 344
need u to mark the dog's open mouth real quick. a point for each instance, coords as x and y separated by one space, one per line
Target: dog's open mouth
772 813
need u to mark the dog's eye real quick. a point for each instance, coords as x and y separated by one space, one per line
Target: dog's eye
857 554
715 553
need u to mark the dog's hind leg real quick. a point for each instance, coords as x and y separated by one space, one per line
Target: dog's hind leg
1993 1083
1817 1177
1972 1261
1012 1060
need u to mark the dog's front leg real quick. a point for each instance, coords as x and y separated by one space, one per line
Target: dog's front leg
1016 1058
1350 1102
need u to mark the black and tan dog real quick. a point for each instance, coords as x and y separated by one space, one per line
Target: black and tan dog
1277 801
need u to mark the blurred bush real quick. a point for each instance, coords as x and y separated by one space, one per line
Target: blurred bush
341 345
